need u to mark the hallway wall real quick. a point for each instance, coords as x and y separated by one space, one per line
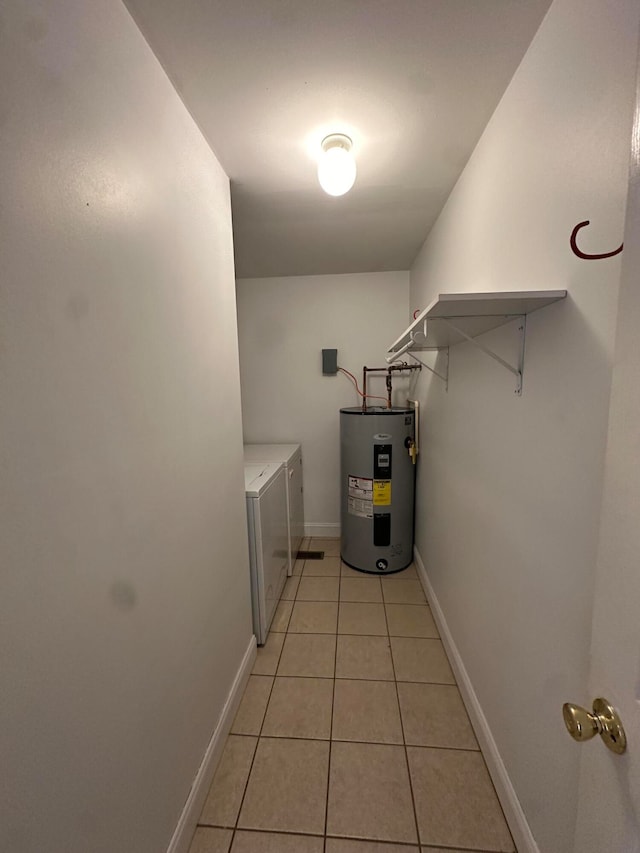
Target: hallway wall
124 589
510 488
284 323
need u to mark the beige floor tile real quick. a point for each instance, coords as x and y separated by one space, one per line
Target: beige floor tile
369 793
250 714
347 572
327 568
449 850
225 794
366 711
298 568
318 589
209 840
269 655
360 589
347 845
331 547
246 841
411 620
455 800
308 655
409 572
281 617
362 618
314 617
287 787
434 715
397 590
306 543
299 707
364 657
290 588
420 660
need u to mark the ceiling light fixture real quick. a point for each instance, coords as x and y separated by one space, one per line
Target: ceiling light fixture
336 167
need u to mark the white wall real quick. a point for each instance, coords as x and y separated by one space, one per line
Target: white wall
284 324
125 606
510 488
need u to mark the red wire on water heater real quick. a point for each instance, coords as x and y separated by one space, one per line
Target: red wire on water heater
355 382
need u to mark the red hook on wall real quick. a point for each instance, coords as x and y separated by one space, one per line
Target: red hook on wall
581 254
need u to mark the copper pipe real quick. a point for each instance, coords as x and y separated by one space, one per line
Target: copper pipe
387 370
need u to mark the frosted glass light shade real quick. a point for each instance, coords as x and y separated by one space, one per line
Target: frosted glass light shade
336 167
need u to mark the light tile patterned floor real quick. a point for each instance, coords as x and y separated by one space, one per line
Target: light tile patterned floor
351 736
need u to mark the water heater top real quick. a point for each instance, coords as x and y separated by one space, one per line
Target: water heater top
377 410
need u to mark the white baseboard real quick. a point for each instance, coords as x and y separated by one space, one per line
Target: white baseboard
524 840
324 531
183 834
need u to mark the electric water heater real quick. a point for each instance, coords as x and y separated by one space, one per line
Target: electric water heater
377 490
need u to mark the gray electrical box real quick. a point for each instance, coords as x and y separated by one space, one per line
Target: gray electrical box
329 362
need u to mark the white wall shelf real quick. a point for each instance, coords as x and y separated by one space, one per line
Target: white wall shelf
456 317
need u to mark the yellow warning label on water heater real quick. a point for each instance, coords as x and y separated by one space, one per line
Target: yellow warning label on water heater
382 492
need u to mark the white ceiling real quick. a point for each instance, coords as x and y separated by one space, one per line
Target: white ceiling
413 82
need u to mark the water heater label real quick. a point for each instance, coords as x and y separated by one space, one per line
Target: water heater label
360 498
382 492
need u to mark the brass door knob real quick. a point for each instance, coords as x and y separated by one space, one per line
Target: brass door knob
604 721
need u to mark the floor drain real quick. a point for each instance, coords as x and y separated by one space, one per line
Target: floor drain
310 555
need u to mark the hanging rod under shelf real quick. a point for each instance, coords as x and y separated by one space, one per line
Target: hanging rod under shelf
456 317
474 313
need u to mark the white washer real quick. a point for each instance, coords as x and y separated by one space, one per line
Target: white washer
291 457
266 496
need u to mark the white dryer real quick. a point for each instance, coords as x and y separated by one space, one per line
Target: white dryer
266 497
291 457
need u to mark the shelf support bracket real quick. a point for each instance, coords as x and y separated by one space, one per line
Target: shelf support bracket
517 371
422 332
444 376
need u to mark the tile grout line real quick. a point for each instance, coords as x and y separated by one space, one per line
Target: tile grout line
264 716
255 752
380 600
333 701
326 805
331 740
362 636
407 844
333 697
404 742
253 758
346 740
